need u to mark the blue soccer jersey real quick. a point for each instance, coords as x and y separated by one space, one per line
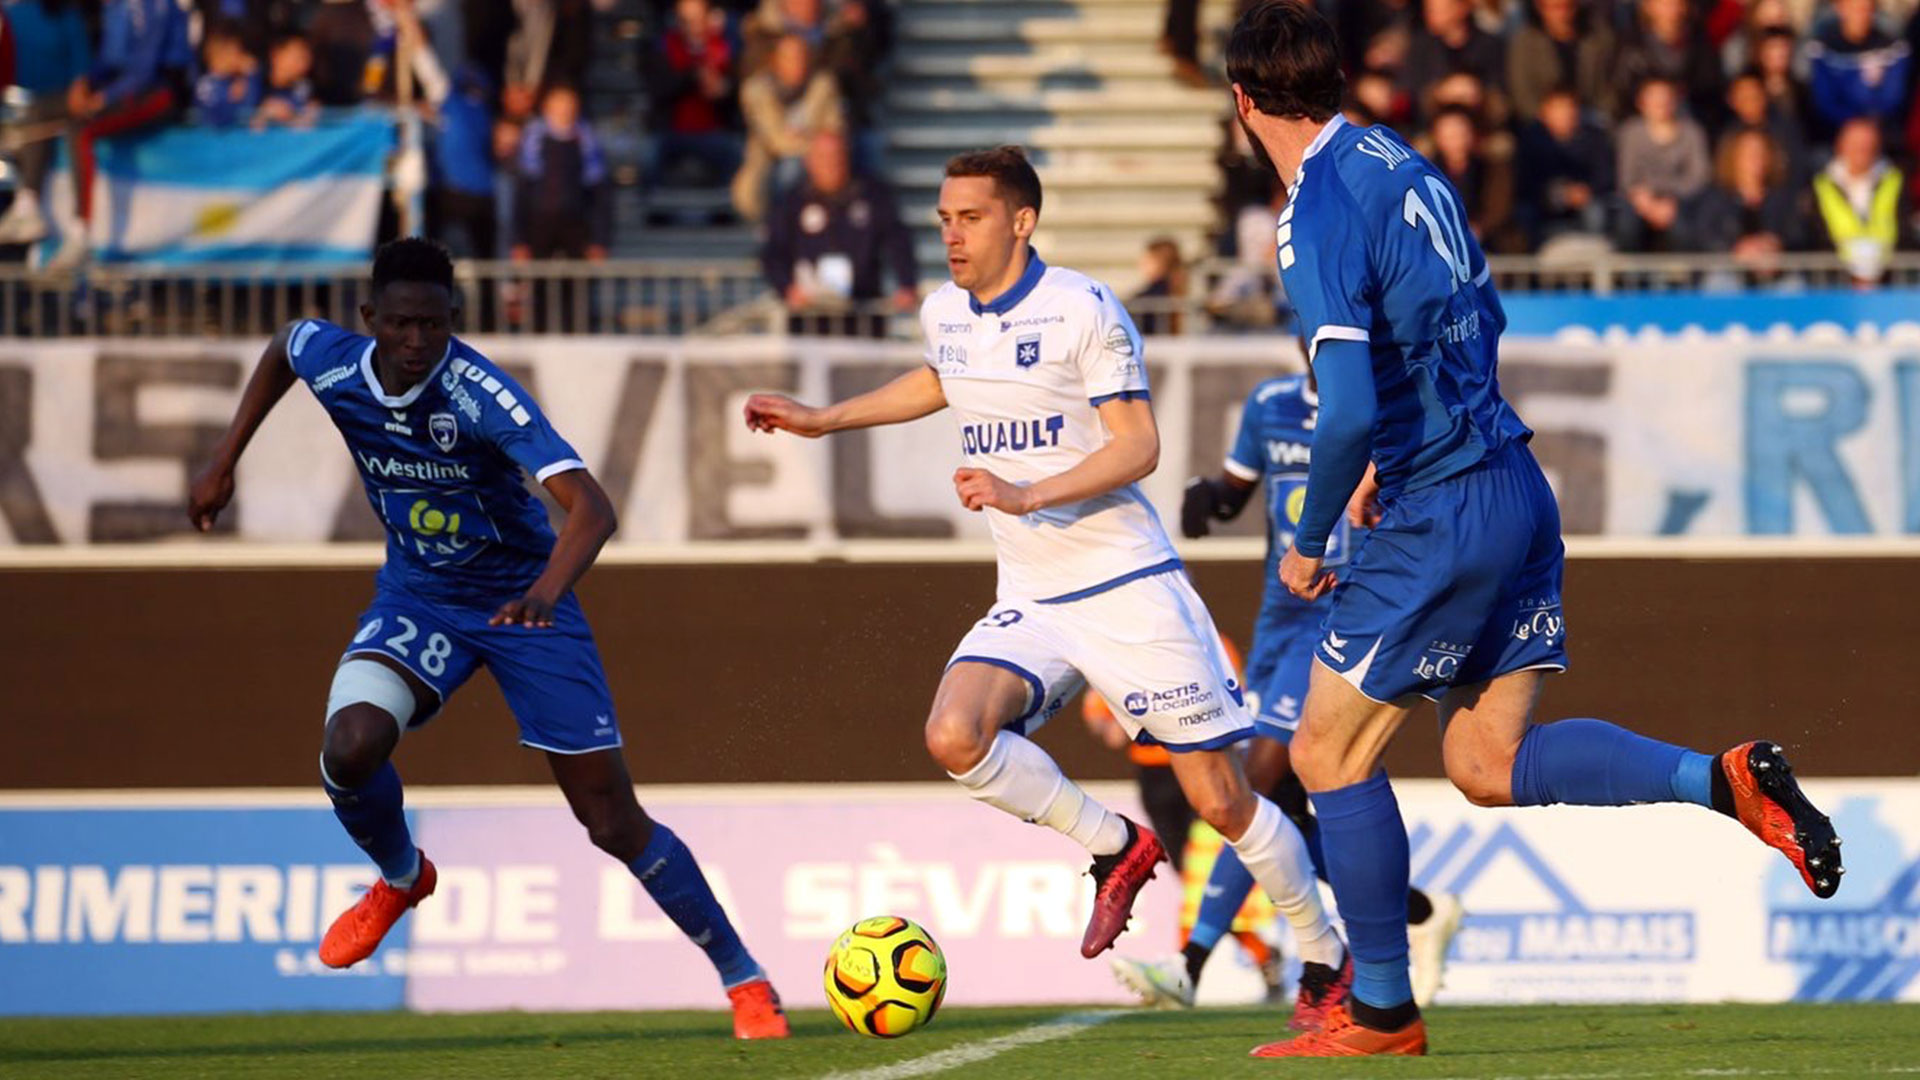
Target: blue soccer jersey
1459 583
1374 248
442 465
1273 450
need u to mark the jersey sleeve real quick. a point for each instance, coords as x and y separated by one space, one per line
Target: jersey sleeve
1111 358
512 422
316 347
1324 262
1244 460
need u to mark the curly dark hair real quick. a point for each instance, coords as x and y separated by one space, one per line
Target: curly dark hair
412 258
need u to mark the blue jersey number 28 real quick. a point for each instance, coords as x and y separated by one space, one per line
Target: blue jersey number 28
1445 229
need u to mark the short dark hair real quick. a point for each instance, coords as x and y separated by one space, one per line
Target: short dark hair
412 258
1007 166
1284 57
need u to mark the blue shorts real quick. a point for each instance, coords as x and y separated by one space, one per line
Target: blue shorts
1278 673
551 677
1458 584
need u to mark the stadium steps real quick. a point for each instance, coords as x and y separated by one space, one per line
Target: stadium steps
1126 151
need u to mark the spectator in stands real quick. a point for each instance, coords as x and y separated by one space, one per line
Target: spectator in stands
1561 45
783 105
690 72
1752 210
1749 109
1366 27
1163 274
1448 41
1465 89
1742 49
1485 182
1787 93
462 163
1860 201
1373 97
552 41
141 78
1662 167
1857 69
832 242
289 95
229 86
342 36
1248 295
361 46
564 205
1180 40
1665 42
850 41
1565 172
51 54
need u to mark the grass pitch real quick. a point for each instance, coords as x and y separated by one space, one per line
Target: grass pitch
1559 1042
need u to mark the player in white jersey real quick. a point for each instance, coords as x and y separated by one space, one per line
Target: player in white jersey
1044 372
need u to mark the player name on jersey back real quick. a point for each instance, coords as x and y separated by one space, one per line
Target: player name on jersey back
1025 376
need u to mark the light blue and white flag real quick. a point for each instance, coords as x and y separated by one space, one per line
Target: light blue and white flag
281 196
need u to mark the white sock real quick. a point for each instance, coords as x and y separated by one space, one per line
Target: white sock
1020 778
1275 854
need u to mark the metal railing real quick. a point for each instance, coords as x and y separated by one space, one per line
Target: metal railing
695 297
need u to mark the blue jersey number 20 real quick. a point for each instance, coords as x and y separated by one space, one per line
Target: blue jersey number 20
1444 229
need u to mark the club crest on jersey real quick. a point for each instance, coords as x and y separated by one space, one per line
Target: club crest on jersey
1026 350
444 431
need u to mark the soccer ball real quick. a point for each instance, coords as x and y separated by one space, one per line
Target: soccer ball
885 977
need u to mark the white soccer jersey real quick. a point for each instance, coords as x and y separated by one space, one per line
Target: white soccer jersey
1024 376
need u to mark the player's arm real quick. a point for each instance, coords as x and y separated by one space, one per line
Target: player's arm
212 488
1342 442
1213 498
590 522
909 397
1132 452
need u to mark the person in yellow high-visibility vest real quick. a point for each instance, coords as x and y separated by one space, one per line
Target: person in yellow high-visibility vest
1860 201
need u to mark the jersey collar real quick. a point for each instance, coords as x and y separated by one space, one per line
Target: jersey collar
380 394
1326 136
1017 292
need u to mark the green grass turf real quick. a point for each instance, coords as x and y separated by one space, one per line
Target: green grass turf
1562 1042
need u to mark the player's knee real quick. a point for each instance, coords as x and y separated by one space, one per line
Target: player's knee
1228 813
1316 762
956 740
1484 782
620 831
358 740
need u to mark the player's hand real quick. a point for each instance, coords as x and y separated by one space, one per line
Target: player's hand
1363 510
1304 577
778 412
209 494
979 489
532 611
1197 508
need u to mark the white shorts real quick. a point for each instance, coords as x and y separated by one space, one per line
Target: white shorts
1149 647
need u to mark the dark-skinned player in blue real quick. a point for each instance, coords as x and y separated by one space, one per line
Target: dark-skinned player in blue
1453 595
474 577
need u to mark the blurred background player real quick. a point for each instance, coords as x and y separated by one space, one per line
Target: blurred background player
1045 374
1274 446
1455 594
474 576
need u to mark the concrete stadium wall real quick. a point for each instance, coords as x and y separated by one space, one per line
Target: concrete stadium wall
823 671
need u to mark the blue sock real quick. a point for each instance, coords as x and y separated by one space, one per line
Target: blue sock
1366 852
1226 893
674 880
1593 763
1311 834
376 818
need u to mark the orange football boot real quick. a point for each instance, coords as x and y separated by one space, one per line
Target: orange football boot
1343 1037
359 930
1321 989
1769 802
756 1011
1118 879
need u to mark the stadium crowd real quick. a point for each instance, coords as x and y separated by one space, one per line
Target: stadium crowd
1747 127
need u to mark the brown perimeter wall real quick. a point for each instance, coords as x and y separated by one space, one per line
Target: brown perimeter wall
823 672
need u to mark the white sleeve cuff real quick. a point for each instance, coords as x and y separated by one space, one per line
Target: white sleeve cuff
1335 333
559 467
1241 472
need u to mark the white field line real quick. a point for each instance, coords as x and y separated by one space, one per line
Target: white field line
973 1053
1704 1074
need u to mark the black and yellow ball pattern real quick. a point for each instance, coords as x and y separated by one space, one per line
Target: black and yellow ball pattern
885 977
